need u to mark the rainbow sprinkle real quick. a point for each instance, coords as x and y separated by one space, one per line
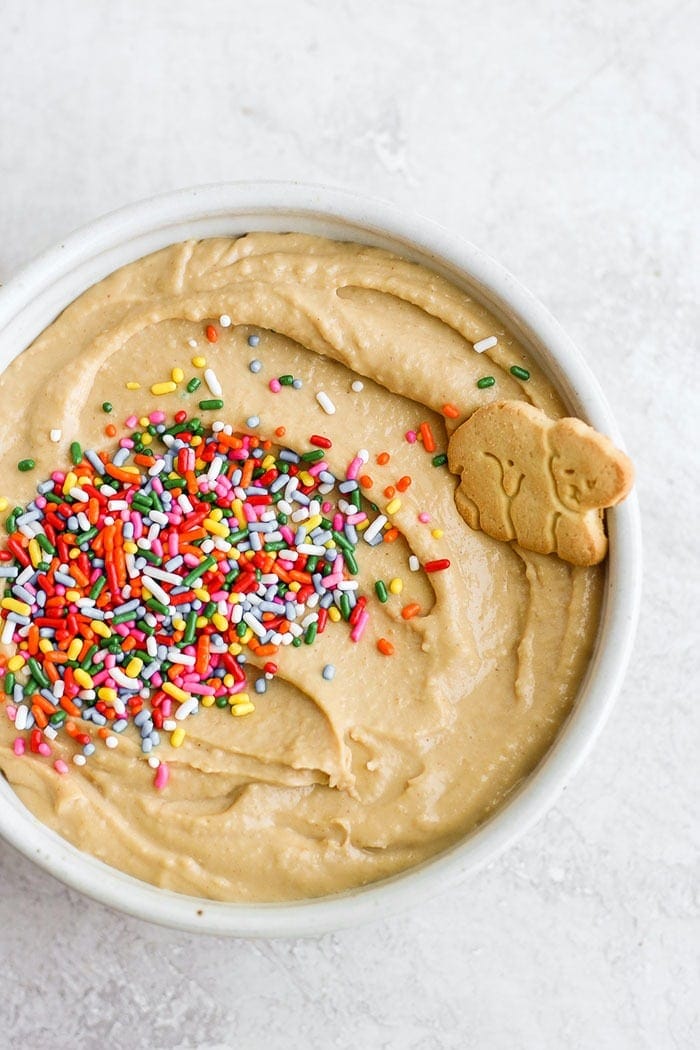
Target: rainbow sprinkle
140 587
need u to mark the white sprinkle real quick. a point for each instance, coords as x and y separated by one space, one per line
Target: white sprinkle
21 717
155 573
56 435
157 467
112 741
187 708
325 402
50 732
192 342
156 590
357 386
79 760
124 681
375 528
363 454
153 761
169 724
485 344
82 497
225 321
413 563
254 624
7 632
312 549
212 382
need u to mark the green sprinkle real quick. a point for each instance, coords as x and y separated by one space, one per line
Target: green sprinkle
296 642
315 456
97 586
287 381
519 373
26 464
188 636
311 632
9 683
194 384
345 605
211 403
351 563
382 593
106 406
221 701
485 381
199 570
440 459
76 453
241 629
37 672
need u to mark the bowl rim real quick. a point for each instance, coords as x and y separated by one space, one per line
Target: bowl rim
443 250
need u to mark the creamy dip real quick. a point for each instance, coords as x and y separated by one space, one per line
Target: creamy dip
329 784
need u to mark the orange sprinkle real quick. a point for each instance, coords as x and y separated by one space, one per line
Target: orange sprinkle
409 611
428 437
39 716
383 458
385 647
390 535
211 333
366 481
390 492
403 483
280 432
450 411
111 430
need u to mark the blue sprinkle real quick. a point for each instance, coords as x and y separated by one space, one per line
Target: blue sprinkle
255 365
253 340
260 685
88 750
328 672
297 384
252 422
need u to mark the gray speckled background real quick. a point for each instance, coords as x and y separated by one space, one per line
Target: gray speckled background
562 137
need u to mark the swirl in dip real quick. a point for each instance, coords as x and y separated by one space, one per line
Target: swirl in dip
359 758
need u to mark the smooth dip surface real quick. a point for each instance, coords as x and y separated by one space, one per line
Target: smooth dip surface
329 784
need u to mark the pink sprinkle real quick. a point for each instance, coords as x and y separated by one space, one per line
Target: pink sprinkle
355 519
58 476
11 712
157 417
162 776
157 679
424 517
354 469
60 766
131 421
287 533
157 486
40 502
316 468
173 544
326 507
338 522
126 443
411 437
275 386
360 624
19 746
44 749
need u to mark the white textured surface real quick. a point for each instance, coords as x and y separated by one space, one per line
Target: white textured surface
562 138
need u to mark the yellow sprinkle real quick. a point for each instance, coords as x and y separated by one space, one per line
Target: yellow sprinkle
35 552
268 462
107 694
179 624
46 646
235 649
228 680
133 386
392 507
437 534
177 694
295 586
131 470
74 649
163 388
217 528
100 628
219 621
396 585
177 375
4 503
70 482
199 362
15 663
334 614
237 508
202 593
305 478
177 736
82 678
201 621
196 441
130 547
14 605
134 667
74 553
72 595
362 525
216 514
242 709
247 636
207 701
312 523
146 439
144 421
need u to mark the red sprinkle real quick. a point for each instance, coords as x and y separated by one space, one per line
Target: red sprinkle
438 565
212 334
320 442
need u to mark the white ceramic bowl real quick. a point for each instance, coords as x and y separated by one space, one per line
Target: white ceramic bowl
39 292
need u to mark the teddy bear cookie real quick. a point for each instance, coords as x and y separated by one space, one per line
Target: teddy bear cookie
539 481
